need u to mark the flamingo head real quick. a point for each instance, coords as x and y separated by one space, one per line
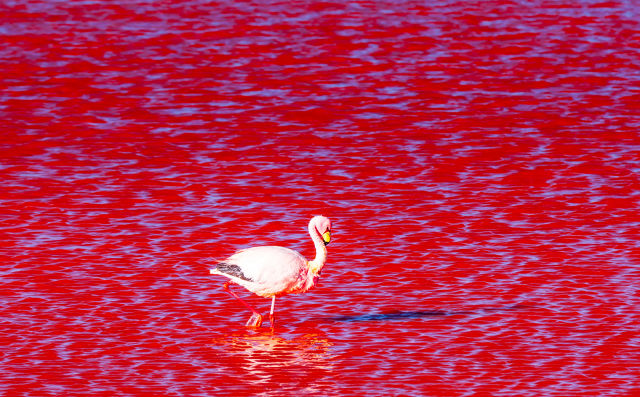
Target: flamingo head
322 225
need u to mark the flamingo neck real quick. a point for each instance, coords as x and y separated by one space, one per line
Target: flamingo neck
321 251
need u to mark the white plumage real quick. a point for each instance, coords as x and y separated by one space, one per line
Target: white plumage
271 271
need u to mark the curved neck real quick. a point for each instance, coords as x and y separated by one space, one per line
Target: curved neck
321 251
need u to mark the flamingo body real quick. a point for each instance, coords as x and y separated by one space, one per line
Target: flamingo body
266 271
271 271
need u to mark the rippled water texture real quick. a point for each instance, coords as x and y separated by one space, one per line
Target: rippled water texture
479 161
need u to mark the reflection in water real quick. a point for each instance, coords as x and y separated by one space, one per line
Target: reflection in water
268 358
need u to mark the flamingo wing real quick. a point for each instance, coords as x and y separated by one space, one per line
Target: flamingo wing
271 269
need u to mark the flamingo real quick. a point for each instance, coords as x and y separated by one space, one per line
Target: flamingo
271 271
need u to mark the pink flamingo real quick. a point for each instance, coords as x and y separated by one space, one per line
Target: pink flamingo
271 271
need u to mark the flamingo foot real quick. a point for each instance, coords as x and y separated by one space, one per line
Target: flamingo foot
272 319
255 321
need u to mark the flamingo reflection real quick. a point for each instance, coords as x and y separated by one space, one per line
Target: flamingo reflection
267 358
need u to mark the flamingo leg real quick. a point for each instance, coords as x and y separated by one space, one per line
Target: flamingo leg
255 320
272 317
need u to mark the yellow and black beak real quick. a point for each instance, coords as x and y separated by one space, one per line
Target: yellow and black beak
326 237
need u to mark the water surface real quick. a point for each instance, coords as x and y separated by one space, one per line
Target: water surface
479 162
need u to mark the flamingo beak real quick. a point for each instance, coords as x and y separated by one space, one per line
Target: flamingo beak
326 237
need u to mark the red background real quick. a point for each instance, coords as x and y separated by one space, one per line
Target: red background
479 162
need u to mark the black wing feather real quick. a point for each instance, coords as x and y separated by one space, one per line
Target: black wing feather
232 270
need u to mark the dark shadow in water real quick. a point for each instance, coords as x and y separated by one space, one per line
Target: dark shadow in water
398 315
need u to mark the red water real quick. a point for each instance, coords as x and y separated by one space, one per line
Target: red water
480 162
